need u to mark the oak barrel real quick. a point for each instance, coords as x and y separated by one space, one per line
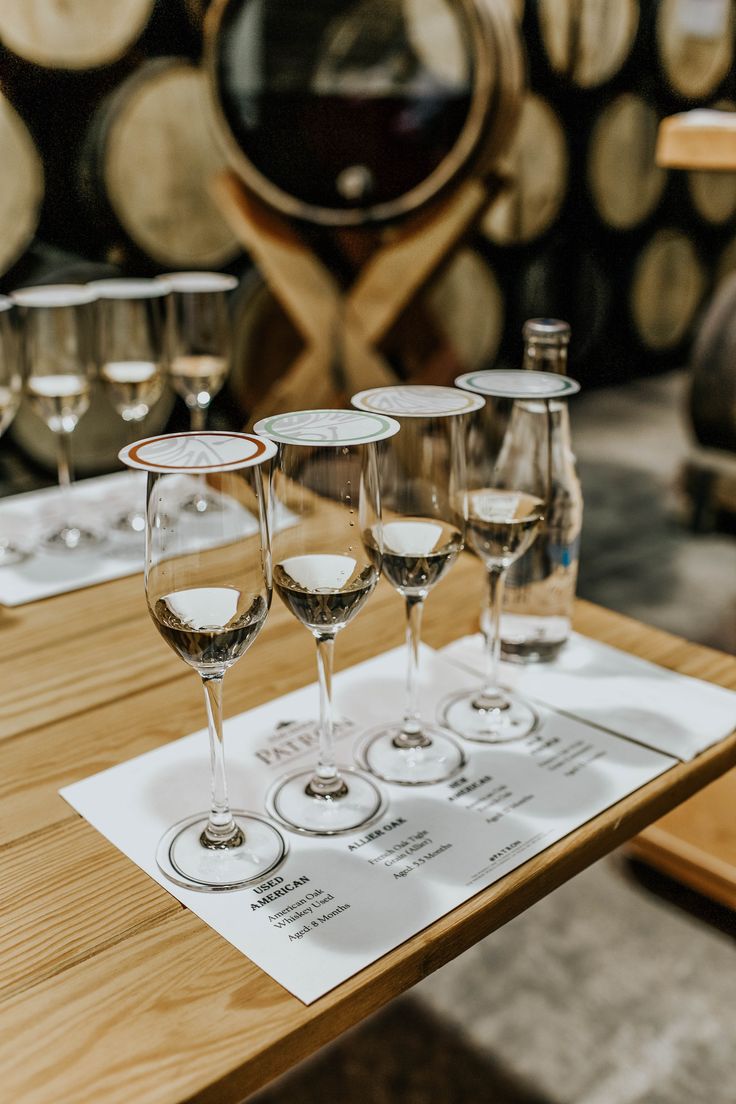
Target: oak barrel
624 181
695 44
587 41
667 286
72 34
713 194
22 185
537 164
146 165
346 114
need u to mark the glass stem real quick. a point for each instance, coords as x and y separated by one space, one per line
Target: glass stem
221 830
491 696
65 476
326 782
64 459
198 423
411 735
197 418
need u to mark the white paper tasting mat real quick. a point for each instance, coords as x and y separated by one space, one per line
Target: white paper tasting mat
631 697
24 519
338 904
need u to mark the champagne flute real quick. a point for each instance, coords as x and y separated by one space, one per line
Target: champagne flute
130 333
422 482
11 389
209 604
506 496
326 473
57 349
198 350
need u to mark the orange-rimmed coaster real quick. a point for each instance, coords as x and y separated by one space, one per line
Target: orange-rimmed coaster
197 453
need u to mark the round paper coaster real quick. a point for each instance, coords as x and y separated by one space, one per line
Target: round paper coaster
194 453
198 282
54 295
327 427
417 401
519 383
128 288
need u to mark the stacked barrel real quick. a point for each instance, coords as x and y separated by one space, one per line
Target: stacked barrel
108 141
593 230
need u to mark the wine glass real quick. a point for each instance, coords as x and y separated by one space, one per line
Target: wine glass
57 350
422 481
130 333
209 604
506 495
325 568
198 350
11 389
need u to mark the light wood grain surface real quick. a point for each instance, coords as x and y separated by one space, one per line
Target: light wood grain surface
111 991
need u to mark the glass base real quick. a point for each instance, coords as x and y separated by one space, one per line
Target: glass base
184 860
11 554
72 538
203 503
467 715
532 651
533 638
418 766
293 805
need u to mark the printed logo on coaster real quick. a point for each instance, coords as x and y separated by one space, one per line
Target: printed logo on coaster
417 401
327 427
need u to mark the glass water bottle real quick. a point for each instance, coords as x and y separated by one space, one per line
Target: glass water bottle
540 586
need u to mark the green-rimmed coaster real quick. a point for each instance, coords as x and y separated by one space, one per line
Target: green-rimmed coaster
197 453
416 400
327 427
518 383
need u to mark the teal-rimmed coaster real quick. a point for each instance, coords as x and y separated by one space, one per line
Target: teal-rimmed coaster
518 383
327 427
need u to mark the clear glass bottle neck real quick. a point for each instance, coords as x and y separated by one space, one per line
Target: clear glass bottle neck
544 356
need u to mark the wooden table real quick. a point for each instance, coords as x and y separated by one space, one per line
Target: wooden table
111 990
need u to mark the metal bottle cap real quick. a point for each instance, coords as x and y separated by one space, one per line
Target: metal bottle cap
550 331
